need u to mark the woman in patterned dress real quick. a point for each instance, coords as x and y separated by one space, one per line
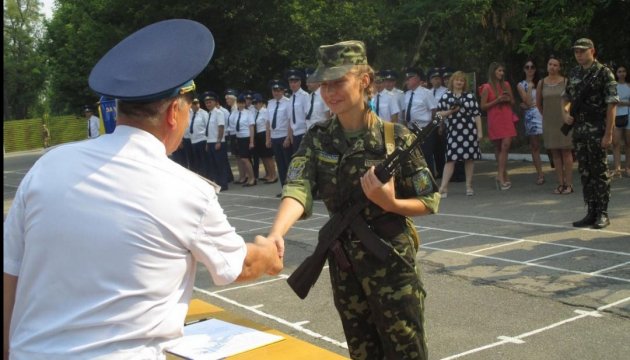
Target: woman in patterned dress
463 125
533 119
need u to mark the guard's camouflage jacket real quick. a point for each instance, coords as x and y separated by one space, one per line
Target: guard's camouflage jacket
326 162
601 92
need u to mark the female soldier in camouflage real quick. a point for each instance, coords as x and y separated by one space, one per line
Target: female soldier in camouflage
380 302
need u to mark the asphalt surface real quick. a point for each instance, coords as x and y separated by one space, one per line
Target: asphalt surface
507 276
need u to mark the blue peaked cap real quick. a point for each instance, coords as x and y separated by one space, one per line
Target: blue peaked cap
155 62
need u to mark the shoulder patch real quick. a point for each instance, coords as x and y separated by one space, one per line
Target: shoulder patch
296 169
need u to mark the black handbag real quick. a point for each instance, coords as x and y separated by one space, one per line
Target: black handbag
621 121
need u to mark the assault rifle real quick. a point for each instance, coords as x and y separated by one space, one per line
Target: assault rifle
306 275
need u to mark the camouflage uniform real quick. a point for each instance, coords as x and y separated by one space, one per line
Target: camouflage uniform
380 303
588 130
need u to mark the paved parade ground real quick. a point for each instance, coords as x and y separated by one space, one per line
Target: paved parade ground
507 276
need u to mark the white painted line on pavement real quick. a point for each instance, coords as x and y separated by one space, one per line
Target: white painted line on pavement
274 318
448 239
507 340
552 255
257 306
519 222
496 246
512 340
280 277
301 323
588 313
530 264
610 268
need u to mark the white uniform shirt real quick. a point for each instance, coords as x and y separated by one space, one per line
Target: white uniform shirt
245 121
437 93
105 248
422 104
283 114
260 118
399 95
226 116
320 109
93 127
386 104
300 104
215 120
198 127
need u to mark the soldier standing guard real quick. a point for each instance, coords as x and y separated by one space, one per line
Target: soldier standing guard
590 103
380 303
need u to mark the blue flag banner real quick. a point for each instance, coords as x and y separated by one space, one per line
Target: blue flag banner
107 113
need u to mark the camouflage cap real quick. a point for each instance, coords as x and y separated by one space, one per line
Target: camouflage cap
583 43
334 61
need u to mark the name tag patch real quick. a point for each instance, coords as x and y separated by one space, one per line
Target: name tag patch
327 158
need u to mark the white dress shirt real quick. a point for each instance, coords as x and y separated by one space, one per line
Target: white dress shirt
300 104
94 127
245 121
386 104
320 109
198 126
105 248
216 119
422 104
283 117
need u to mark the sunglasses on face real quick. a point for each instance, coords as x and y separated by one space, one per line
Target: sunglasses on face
528 67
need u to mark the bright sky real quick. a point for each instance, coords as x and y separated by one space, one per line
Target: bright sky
47 7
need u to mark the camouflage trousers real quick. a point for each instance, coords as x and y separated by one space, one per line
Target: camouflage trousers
593 169
381 304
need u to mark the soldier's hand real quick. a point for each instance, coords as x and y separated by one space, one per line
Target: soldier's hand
275 264
381 194
279 243
568 119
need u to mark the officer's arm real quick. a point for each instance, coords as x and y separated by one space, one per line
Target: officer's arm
611 112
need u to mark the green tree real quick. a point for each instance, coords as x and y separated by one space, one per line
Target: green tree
24 66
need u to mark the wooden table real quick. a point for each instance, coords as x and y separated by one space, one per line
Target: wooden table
288 349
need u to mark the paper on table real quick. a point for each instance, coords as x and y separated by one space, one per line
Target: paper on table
215 339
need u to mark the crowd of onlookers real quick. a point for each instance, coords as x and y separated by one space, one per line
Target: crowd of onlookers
256 131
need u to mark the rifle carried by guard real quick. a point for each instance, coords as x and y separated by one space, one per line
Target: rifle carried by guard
305 276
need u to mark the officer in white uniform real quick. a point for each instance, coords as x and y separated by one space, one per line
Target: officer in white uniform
93 128
389 79
439 150
317 110
385 104
278 117
197 130
300 104
419 110
216 149
100 252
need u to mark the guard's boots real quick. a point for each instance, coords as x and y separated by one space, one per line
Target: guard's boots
589 219
602 219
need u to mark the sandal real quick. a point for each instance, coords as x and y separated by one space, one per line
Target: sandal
568 189
470 192
540 180
560 189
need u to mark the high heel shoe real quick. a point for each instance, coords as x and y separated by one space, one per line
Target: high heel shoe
250 184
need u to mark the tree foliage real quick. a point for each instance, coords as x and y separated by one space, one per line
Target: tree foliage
257 40
24 66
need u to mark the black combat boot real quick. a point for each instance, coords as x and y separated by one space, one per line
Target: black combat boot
589 219
601 220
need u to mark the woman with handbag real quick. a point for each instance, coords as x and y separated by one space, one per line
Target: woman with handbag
621 132
497 99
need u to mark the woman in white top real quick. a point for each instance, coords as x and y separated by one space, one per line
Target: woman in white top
622 133
533 118
244 131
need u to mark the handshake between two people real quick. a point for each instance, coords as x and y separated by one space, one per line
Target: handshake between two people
264 256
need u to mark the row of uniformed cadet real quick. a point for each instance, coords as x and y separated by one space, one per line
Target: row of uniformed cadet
285 120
